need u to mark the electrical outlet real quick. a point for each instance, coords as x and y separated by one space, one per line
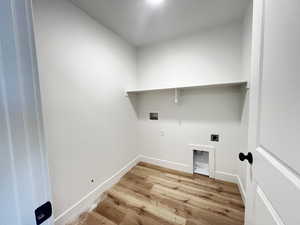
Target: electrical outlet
162 133
214 138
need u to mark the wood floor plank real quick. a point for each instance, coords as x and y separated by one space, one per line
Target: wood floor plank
145 195
200 193
122 205
198 202
200 178
195 179
228 192
232 189
153 195
178 207
134 219
174 206
197 222
110 211
225 205
97 219
138 180
211 216
148 207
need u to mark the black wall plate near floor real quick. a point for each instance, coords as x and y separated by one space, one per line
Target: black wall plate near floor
43 213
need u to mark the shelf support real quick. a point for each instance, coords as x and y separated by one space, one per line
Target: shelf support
176 95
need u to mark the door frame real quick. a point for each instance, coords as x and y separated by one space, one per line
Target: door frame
254 100
24 151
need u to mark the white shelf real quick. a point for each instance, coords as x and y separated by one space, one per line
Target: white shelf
218 84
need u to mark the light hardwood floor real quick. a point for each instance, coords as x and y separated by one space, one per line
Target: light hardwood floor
152 195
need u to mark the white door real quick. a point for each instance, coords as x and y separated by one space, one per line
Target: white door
24 182
274 129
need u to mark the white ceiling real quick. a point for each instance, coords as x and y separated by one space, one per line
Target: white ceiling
140 24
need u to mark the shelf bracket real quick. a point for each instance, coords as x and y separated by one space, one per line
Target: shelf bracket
176 95
248 85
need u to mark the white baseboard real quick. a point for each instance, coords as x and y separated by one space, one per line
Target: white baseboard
220 175
89 200
242 189
165 163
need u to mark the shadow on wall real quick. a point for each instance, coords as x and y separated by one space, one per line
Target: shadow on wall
133 99
205 105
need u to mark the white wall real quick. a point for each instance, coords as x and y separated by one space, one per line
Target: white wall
90 126
211 55
201 112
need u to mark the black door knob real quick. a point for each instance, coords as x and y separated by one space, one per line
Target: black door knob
249 157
